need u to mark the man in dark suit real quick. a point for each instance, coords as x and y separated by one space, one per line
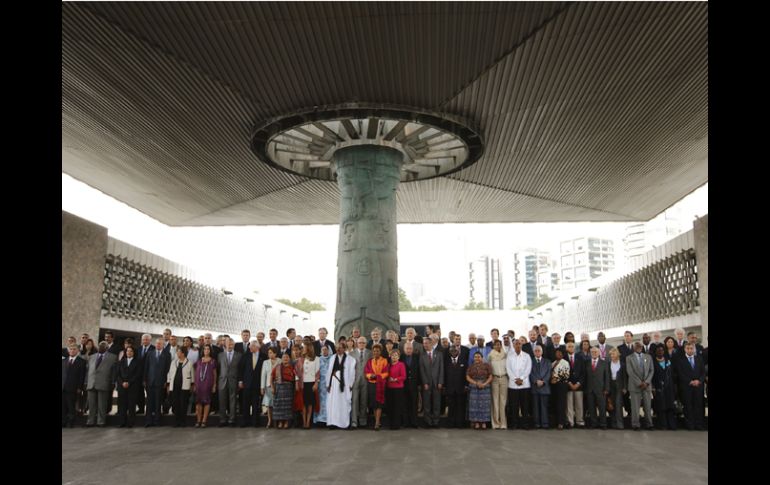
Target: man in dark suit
575 387
626 349
249 384
494 335
692 373
156 366
529 347
73 379
411 360
456 367
129 380
283 347
144 351
540 379
550 351
597 387
65 350
376 339
604 348
462 351
692 338
112 346
243 345
323 342
543 339
227 382
432 379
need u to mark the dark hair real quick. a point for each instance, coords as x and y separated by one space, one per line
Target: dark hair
246 330
665 340
203 353
585 342
341 339
569 335
377 346
289 330
273 330
690 333
558 352
182 349
93 346
272 349
109 332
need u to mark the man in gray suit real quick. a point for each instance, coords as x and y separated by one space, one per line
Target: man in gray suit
101 383
227 385
597 387
359 412
640 371
432 378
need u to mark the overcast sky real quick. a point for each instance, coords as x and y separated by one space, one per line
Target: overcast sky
300 261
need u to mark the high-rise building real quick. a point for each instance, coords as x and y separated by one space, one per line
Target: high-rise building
584 259
486 282
640 238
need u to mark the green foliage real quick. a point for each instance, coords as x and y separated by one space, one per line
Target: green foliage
304 304
404 304
476 305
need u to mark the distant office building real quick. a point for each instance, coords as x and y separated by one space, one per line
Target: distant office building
486 282
640 238
584 259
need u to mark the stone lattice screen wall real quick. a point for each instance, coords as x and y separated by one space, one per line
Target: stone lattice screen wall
663 291
137 291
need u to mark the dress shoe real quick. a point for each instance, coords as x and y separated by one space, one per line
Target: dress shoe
222 424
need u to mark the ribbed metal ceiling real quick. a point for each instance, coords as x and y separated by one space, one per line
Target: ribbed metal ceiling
589 111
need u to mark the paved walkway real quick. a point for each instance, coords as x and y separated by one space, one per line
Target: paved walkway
145 456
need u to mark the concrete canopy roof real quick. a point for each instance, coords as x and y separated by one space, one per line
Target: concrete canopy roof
588 111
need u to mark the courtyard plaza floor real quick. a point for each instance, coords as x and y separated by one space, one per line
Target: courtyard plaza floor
186 456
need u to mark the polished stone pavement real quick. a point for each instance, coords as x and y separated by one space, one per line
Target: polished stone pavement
186 456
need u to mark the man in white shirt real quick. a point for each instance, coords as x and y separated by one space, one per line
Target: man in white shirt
518 366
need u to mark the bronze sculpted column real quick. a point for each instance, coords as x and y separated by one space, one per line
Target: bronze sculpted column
367 269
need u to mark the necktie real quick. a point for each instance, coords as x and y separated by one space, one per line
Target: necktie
253 361
572 360
430 357
72 361
692 362
229 358
593 365
641 363
98 360
538 361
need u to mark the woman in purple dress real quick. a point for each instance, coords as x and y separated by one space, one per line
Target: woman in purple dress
205 385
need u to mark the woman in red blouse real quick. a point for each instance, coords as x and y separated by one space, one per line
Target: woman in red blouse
394 396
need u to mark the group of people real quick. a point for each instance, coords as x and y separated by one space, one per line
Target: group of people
535 381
